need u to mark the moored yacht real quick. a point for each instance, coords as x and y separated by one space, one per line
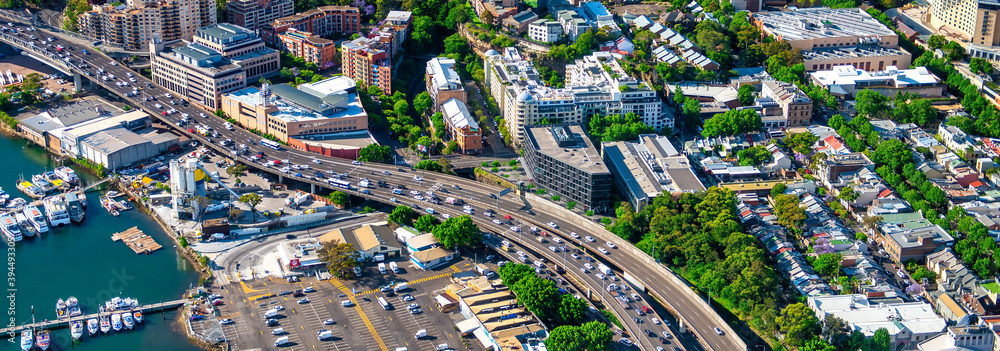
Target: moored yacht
127 319
67 174
42 340
55 208
9 227
76 329
116 321
105 324
27 230
36 218
76 210
27 339
92 326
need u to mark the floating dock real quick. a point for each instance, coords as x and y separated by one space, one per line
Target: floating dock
137 240
62 323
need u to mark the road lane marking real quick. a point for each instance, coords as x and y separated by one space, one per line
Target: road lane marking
364 317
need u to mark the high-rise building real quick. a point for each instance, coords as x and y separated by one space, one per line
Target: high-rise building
321 21
254 14
562 160
308 46
195 72
132 26
243 47
832 37
368 60
443 82
974 20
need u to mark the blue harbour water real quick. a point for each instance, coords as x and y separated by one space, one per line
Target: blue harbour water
81 260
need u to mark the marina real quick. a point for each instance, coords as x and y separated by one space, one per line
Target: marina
62 323
137 241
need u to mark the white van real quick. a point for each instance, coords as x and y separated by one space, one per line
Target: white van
422 333
346 303
324 334
281 341
381 268
400 287
271 313
385 304
394 267
278 331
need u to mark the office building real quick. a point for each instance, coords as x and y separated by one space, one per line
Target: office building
325 107
368 60
646 168
599 17
961 338
908 323
322 21
832 37
196 73
462 126
443 82
545 30
308 46
846 81
796 106
562 160
243 47
254 14
974 21
591 89
132 26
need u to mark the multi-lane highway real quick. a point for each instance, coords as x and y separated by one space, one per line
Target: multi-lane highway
693 312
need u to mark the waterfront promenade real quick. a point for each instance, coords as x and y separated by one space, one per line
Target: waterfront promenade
61 323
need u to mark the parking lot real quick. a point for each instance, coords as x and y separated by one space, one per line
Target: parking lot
362 324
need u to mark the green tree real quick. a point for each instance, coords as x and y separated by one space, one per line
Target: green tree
598 336
800 142
237 171
893 153
790 214
422 102
512 273
778 189
572 311
923 272
426 223
828 264
566 338
836 122
340 198
817 344
936 41
403 215
746 94
617 127
871 104
679 98
429 165
754 156
423 31
252 200
880 341
458 232
733 122
340 258
375 153
799 323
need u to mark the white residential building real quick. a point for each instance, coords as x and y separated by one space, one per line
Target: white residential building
544 30
908 323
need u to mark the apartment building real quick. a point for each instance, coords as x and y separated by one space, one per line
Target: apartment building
462 126
443 82
254 14
328 106
545 30
562 160
500 9
195 72
322 21
243 47
573 24
368 60
308 46
133 26
646 168
833 37
796 106
974 20
845 81
518 23
524 100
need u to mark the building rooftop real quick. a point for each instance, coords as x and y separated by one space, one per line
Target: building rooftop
329 98
113 140
199 57
850 52
457 114
399 16
868 316
225 32
892 76
568 144
442 71
822 22
653 166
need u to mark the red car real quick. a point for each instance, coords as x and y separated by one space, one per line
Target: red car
646 309
506 217
190 130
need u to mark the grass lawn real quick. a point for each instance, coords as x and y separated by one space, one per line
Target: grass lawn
993 287
532 3
475 19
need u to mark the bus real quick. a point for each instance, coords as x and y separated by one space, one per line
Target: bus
339 183
271 144
385 304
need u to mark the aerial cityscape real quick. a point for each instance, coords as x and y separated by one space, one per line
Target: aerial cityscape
535 175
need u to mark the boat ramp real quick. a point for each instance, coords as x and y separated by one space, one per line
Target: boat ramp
62 323
137 241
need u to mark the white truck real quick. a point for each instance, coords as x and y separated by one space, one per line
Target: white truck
246 231
400 287
363 183
216 207
271 313
454 201
324 334
281 341
422 333
394 267
604 269
381 268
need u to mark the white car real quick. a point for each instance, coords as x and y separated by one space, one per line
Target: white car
574 235
515 229
468 211
203 115
113 63
610 244
589 238
418 198
602 250
599 276
552 225
557 240
416 178
317 161
168 96
279 308
497 222
718 331
588 265
445 215
185 115
414 192
657 322
574 256
467 207
553 249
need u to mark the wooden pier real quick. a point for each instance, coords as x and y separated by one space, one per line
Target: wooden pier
137 240
62 323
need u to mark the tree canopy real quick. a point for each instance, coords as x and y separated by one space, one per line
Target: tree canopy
733 122
340 258
375 153
458 232
617 127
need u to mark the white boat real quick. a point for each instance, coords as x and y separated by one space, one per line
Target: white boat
138 316
17 203
55 208
92 326
36 218
105 324
61 309
127 319
73 306
27 230
120 304
27 339
76 329
67 174
76 210
116 321
9 227
42 340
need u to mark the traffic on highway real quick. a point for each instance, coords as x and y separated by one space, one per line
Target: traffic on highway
516 219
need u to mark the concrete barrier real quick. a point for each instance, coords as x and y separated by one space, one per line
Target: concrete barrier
626 247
